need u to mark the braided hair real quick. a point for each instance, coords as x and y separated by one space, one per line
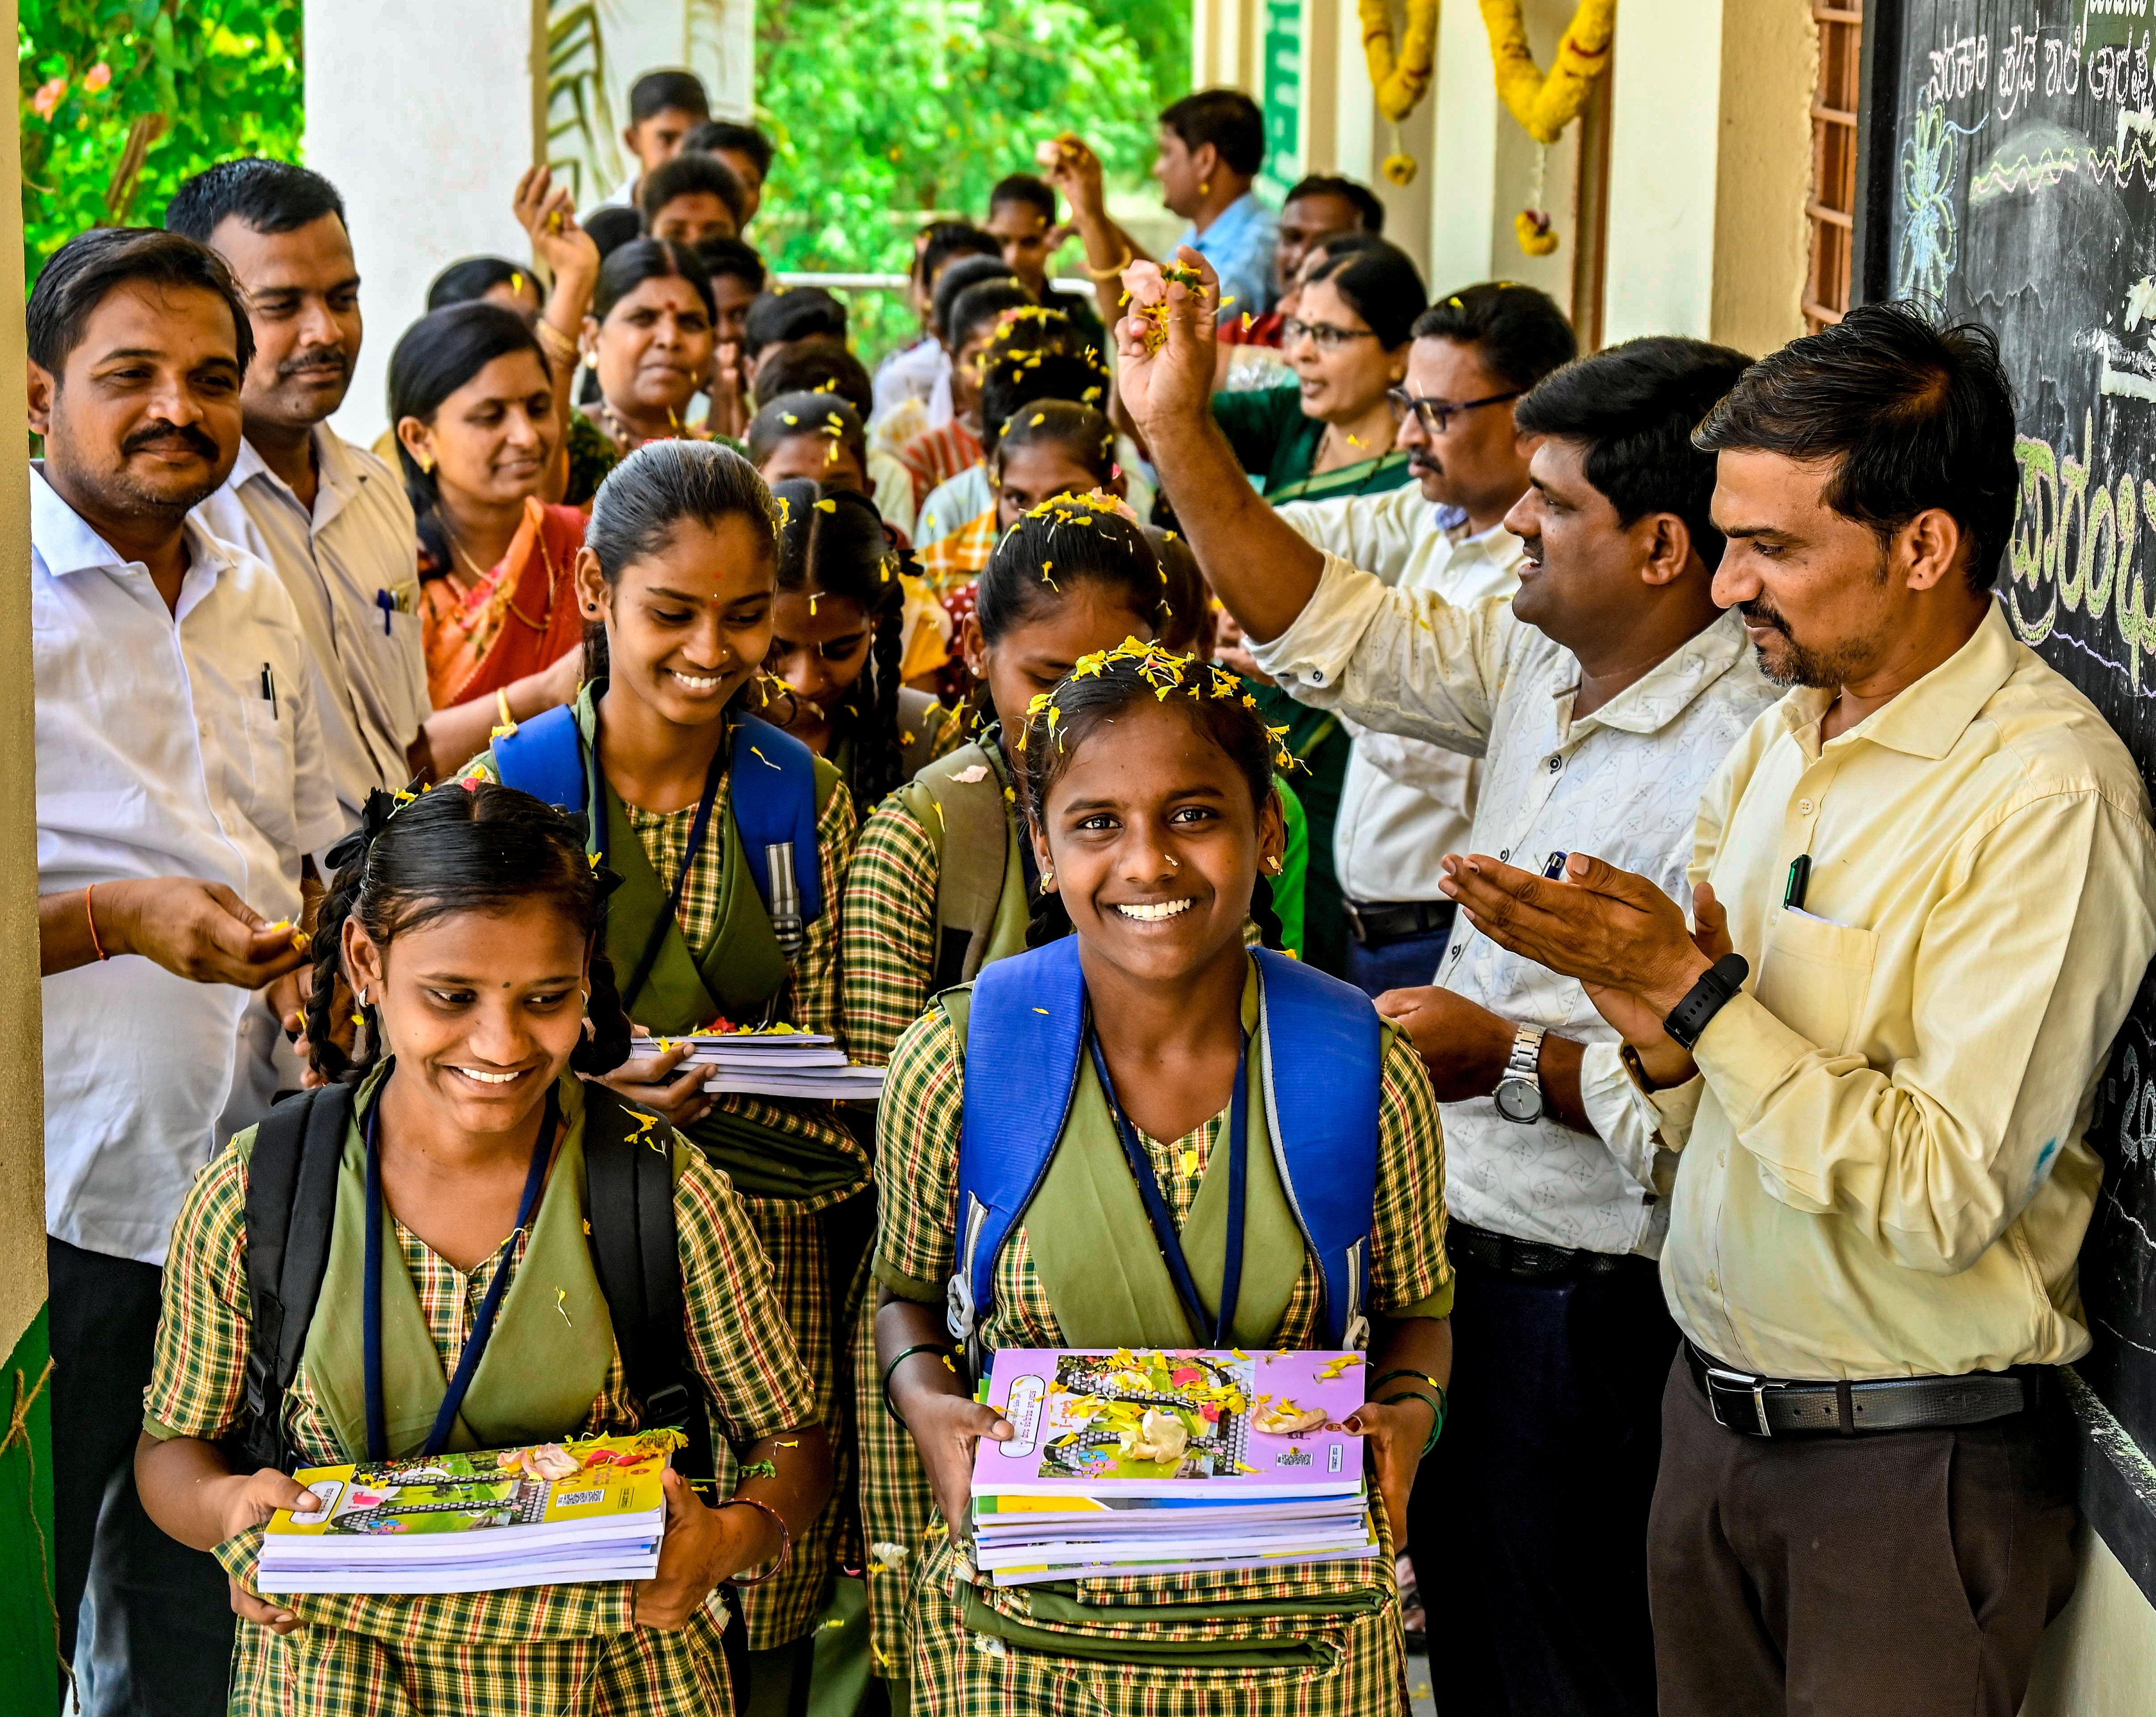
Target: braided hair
480 848
1098 690
832 542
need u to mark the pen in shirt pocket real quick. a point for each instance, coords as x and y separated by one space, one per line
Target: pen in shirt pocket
269 690
1553 866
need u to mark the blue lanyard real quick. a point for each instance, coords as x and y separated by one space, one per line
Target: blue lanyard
1221 1328
699 825
453 1399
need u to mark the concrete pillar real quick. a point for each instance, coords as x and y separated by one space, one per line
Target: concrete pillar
422 113
29 1674
1710 162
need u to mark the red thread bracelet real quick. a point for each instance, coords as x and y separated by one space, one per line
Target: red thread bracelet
785 1538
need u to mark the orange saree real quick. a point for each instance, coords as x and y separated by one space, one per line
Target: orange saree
520 617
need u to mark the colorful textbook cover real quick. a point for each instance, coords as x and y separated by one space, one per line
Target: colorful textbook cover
1220 1424
478 1521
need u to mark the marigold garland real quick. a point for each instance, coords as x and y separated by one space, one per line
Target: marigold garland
1545 103
1400 83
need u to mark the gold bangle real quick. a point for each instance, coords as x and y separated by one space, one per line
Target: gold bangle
557 345
507 725
1130 256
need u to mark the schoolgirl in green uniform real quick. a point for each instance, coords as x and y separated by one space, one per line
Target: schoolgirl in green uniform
732 840
837 642
1152 819
460 1198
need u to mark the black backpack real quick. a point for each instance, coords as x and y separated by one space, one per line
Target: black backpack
291 1203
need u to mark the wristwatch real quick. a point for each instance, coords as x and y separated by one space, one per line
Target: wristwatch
1717 985
1519 1093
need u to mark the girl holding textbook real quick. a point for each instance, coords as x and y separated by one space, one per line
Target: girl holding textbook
943 883
730 839
1065 1146
460 1303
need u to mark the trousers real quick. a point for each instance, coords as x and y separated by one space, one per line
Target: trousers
1528 1520
158 1636
1906 1573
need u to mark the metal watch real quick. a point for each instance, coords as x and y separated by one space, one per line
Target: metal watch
1519 1093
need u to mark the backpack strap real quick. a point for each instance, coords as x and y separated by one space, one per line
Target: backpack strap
921 724
773 802
971 830
545 758
1023 1040
629 1193
291 1205
1325 1128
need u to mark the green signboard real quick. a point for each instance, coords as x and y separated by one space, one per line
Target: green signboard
1282 97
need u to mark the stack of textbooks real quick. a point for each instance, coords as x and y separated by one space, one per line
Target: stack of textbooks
1169 1463
773 1061
483 1521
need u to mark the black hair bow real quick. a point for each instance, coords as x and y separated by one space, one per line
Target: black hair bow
373 817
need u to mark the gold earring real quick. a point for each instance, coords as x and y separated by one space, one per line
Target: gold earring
1274 866
1204 188
1048 877
426 462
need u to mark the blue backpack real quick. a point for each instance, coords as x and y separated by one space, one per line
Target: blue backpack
1023 1037
544 757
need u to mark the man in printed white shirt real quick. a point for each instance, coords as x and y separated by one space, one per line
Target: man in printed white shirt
1404 803
1602 698
332 518
180 785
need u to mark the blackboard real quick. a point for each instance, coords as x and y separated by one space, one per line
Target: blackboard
2008 156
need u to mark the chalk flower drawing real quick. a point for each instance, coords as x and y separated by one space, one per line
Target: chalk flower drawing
1928 234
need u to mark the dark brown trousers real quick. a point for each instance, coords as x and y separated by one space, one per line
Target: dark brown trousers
1908 1574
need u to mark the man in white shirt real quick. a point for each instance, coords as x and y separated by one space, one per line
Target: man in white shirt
1404 803
1601 698
665 107
331 518
180 785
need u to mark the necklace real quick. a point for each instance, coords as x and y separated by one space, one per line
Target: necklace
623 436
545 621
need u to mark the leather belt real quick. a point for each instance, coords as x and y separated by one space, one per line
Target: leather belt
1524 1260
1392 920
1777 1406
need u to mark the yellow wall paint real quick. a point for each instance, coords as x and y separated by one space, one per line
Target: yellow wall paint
21 1028
1763 173
2099 1657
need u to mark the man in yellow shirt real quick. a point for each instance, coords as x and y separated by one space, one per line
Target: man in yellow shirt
1925 892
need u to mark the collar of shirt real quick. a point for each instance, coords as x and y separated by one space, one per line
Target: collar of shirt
1228 228
337 477
1929 717
65 541
1664 692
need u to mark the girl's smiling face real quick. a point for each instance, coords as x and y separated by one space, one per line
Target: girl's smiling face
687 626
1154 841
480 1008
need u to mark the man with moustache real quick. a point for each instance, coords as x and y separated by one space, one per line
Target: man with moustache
180 784
1925 898
1600 698
1405 803
332 518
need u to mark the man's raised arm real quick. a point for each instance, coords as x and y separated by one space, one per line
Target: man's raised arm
1258 567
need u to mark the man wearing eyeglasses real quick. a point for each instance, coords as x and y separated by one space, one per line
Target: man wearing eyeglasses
1405 803
1600 698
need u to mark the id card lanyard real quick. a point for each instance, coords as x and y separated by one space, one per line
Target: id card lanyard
453 1398
1221 1328
699 826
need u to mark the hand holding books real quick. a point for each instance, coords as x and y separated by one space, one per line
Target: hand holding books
702 1547
252 1500
925 1390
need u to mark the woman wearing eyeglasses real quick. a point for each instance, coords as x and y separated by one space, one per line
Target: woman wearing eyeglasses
1348 341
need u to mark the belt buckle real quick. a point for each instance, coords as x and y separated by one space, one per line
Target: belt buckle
1755 1387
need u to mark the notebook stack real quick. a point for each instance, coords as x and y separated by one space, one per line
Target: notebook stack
1169 1463
483 1521
774 1061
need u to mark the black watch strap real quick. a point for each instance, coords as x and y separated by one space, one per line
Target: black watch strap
1707 999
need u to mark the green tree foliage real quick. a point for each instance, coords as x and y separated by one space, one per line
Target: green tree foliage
121 100
885 111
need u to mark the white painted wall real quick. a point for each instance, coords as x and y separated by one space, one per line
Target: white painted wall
422 113
1666 122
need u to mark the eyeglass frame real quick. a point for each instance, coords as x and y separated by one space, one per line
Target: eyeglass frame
1325 337
1424 410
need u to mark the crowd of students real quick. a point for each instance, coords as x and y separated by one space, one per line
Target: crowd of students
1139 724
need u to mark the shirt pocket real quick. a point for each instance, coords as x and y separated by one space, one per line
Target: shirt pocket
266 794
1816 977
